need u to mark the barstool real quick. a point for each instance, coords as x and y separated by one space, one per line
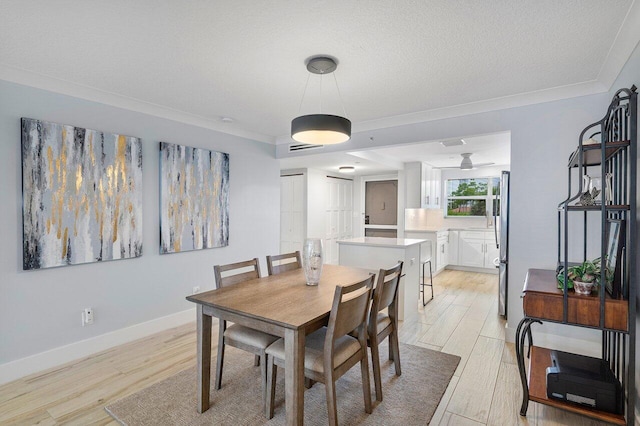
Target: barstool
423 284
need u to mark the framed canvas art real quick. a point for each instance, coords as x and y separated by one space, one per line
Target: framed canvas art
82 195
194 198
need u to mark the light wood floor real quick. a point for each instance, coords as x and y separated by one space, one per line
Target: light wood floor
462 320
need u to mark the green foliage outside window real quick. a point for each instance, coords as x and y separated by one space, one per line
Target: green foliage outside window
469 197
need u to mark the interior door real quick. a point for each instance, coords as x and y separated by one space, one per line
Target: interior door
291 213
338 216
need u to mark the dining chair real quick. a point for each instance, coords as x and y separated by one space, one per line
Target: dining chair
330 351
239 336
382 325
294 261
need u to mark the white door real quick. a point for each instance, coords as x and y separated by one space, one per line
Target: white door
291 213
338 216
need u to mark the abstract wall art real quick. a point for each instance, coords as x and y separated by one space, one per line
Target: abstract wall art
82 195
194 198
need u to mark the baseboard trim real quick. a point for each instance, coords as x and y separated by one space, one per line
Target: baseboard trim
492 271
14 370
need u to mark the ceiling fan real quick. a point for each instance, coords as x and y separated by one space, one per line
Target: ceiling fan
466 163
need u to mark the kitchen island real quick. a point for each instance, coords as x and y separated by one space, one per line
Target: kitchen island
376 252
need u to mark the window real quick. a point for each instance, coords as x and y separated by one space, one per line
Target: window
470 197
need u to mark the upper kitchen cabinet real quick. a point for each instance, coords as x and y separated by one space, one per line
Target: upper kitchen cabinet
431 187
424 186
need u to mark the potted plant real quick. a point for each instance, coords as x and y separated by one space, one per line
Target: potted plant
581 277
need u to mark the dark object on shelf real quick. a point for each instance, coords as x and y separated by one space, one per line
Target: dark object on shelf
585 381
616 240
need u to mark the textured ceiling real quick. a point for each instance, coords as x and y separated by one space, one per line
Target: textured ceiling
199 61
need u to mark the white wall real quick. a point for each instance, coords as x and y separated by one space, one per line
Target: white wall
542 138
40 310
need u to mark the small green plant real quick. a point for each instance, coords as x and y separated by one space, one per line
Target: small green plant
588 271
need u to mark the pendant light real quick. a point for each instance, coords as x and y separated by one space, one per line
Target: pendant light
321 129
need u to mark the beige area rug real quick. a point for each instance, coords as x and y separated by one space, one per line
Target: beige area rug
410 399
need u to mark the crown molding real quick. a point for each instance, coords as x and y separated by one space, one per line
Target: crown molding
623 46
63 87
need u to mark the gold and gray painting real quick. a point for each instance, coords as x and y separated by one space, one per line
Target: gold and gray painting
194 198
82 195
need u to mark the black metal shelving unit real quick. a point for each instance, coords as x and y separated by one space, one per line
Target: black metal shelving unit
609 147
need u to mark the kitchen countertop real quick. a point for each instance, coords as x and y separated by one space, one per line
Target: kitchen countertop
448 229
437 229
382 242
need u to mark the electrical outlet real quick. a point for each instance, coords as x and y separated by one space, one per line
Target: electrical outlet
87 316
195 290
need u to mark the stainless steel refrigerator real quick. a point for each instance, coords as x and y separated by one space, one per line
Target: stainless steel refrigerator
503 244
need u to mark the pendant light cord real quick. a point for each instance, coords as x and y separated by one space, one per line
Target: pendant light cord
304 93
344 110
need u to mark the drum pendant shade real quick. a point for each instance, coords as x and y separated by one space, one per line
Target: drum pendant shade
321 129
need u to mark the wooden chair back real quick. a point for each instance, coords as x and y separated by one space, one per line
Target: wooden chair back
295 263
349 311
229 279
386 293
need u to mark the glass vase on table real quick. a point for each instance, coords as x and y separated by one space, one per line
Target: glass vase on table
312 260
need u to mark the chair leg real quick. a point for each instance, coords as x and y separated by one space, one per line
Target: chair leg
393 337
220 358
366 385
390 350
256 360
272 372
423 284
308 383
332 408
375 360
431 279
263 374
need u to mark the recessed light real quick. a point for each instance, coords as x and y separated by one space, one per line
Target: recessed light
346 169
453 142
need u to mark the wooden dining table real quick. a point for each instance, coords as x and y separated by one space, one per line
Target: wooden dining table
282 305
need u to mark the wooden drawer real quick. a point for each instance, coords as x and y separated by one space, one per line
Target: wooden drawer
543 299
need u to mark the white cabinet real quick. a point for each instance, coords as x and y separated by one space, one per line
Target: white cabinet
431 187
436 248
423 186
442 257
453 247
477 249
491 252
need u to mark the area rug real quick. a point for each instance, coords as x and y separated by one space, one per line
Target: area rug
410 399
